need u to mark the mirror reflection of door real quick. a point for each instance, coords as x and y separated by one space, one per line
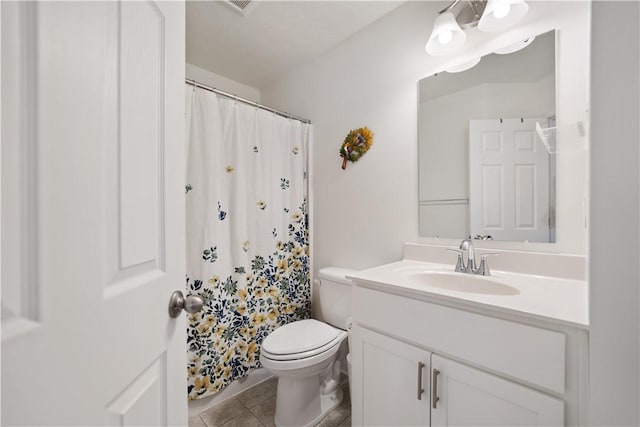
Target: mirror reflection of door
509 176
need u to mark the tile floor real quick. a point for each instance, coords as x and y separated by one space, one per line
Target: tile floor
255 407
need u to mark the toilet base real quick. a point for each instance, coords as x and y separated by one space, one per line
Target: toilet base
300 403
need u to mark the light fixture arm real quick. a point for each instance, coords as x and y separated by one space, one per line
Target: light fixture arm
477 14
448 8
467 12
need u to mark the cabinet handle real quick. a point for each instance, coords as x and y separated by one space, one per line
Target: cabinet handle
420 389
434 389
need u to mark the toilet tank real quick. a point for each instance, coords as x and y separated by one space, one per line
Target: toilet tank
334 295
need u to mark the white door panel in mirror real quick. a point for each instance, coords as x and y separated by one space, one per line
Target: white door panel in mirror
509 181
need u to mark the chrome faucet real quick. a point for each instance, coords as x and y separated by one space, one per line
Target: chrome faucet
467 245
470 266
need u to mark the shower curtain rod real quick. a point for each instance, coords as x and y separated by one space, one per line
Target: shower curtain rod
246 101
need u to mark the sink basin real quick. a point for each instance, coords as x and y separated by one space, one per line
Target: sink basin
460 282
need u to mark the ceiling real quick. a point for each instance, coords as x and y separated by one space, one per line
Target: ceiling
273 37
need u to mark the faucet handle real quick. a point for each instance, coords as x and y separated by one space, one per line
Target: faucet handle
460 262
483 269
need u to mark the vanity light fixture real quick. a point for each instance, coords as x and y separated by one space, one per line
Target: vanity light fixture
514 47
464 66
488 15
502 14
447 36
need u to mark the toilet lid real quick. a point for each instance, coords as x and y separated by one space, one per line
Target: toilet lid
300 336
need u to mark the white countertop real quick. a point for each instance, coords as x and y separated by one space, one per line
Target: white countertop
559 300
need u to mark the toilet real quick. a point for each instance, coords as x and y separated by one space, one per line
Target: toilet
307 355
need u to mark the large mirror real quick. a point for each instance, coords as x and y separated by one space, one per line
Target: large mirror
484 169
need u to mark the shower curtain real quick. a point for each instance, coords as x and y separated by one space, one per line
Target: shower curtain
247 235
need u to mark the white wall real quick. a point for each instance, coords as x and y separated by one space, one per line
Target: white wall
209 78
365 213
614 249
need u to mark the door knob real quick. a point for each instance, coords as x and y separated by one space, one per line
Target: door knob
177 302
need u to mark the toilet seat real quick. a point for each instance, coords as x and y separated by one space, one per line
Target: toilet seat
300 340
306 354
305 366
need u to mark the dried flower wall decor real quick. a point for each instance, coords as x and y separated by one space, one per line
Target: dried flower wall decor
357 142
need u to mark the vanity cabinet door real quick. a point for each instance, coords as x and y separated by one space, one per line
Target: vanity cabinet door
387 378
470 397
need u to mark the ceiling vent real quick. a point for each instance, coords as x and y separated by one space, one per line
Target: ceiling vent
243 7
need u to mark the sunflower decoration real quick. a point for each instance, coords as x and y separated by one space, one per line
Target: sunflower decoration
357 142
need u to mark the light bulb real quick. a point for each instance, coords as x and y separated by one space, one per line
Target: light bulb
502 14
502 10
445 37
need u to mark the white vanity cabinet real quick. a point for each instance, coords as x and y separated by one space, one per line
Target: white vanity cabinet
493 369
470 397
404 385
395 381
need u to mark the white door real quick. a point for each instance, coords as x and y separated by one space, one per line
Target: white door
390 381
509 180
470 397
92 213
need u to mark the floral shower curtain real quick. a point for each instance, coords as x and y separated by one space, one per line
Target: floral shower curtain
247 236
